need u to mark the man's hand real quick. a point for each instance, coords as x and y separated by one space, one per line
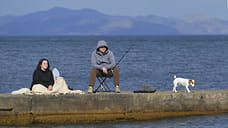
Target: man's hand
105 70
50 87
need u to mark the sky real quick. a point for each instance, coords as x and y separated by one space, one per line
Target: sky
164 8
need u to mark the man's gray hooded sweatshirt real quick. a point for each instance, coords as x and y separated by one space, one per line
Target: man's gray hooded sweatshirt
100 60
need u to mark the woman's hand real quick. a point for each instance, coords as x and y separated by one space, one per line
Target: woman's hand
50 87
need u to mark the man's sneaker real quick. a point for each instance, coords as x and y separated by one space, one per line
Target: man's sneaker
117 89
90 90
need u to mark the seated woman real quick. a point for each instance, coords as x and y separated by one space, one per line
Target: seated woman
44 81
42 75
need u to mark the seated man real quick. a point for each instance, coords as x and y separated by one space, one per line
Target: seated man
103 63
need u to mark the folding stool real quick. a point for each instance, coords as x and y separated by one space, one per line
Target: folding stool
103 84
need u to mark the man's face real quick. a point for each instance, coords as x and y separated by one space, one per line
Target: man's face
102 49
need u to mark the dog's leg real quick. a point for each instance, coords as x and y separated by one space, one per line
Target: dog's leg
174 88
187 89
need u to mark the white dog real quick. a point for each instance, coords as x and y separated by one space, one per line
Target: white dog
183 82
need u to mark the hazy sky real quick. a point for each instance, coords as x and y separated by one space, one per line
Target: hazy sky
167 8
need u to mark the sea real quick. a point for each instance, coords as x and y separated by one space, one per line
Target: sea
143 60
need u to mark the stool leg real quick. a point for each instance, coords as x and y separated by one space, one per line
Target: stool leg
106 85
99 85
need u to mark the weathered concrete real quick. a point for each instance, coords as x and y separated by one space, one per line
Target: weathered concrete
85 108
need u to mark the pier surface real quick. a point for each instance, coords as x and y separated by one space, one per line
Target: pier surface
27 110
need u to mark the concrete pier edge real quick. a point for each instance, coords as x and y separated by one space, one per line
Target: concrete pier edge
27 110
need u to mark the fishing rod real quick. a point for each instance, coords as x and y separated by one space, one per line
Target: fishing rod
123 56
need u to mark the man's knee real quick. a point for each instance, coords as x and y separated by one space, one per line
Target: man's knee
94 70
116 71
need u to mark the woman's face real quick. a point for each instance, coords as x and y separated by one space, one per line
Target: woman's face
44 65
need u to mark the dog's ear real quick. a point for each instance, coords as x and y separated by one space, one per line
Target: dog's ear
191 81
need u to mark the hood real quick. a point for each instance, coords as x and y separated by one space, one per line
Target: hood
102 43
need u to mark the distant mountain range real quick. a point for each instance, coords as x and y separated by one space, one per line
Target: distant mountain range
62 21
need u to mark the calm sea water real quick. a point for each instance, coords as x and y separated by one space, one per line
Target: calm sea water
152 60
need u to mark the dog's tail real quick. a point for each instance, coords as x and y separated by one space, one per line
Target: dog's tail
175 77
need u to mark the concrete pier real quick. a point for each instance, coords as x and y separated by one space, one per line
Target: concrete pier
26 110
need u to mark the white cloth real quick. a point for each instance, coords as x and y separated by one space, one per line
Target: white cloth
55 73
21 91
59 87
